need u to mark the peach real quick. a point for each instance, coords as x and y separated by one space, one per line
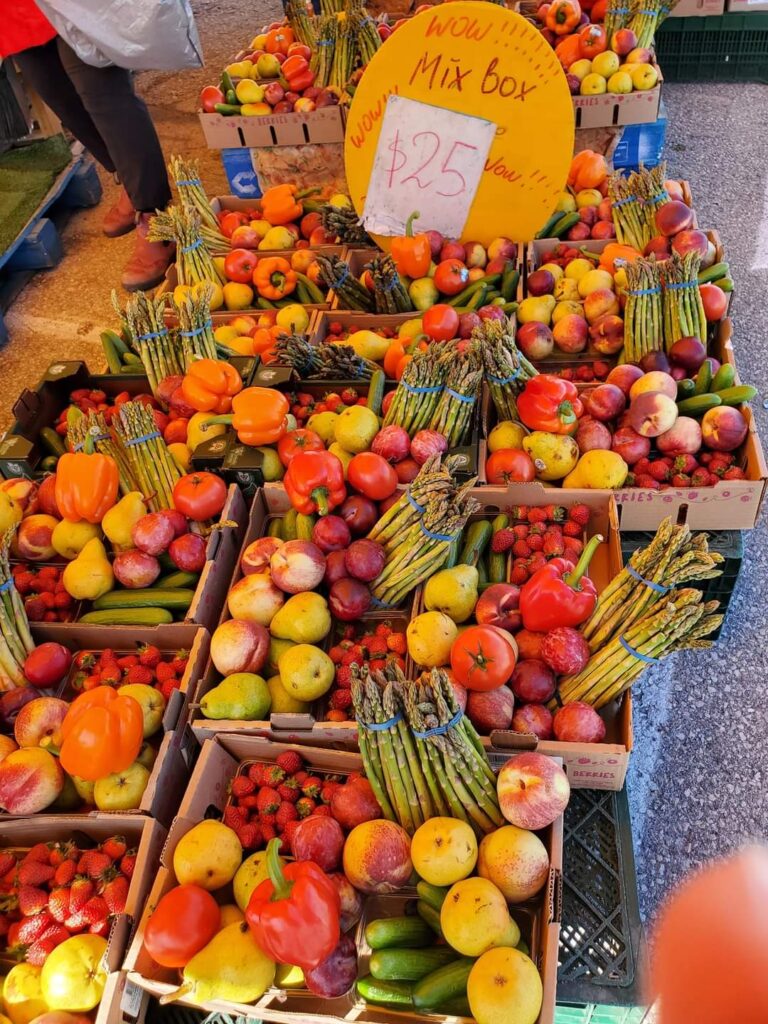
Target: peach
673 188
571 333
515 860
578 722
534 340
238 646
624 376
7 746
599 303
640 55
61 1017
672 217
723 428
30 780
607 335
683 438
603 229
623 41
256 556
533 718
23 492
298 566
652 413
33 539
654 380
38 724
533 790
377 856
659 246
255 598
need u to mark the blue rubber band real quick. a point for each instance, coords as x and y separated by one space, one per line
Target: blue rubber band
382 604
642 657
155 334
440 730
382 726
682 284
646 291
505 380
7 585
421 509
189 181
420 391
437 536
325 42
467 399
191 248
662 197
96 437
341 278
197 331
623 202
656 587
144 437
391 285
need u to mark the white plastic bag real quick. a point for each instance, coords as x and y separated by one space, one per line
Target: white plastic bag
142 35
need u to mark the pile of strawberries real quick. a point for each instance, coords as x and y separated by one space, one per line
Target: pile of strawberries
337 332
148 666
705 469
269 800
587 372
539 534
375 649
304 405
44 595
56 890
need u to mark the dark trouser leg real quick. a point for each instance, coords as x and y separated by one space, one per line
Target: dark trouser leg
42 68
123 122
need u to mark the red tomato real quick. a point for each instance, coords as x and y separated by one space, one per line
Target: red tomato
509 465
230 220
199 496
715 302
451 277
296 441
184 920
239 265
372 476
483 657
209 97
440 322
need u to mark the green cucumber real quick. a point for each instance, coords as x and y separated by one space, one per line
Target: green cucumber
408 964
174 600
724 378
114 362
458 1007
52 442
395 994
737 395
711 274
698 405
497 563
434 895
275 529
375 394
448 982
546 228
398 932
565 223
509 280
177 579
430 916
685 388
509 307
476 538
311 288
523 947
304 526
725 284
48 464
227 109
127 617
478 299
227 85
462 298
703 381
453 554
289 524
118 343
263 303
302 294
482 572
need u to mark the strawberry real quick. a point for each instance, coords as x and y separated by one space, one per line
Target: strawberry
311 787
100 928
35 873
32 928
115 894
572 547
114 847
340 701
329 788
140 674
110 675
646 481
520 549
681 480
556 513
249 803
93 863
734 473
242 786
95 910
268 800
268 819
7 861
256 774
58 904
519 574
285 812
250 836
31 900
377 645
700 477
537 530
553 546
537 515
80 892
383 630
234 817
502 541
684 464
273 775
323 811
344 677
179 663
167 687
536 561
127 661
535 542
572 529
39 951
288 833
659 470
40 853
305 806
268 832
60 852
579 514
396 643
300 777
288 792
163 672
128 863
149 655
336 653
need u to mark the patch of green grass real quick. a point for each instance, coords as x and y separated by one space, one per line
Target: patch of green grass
26 175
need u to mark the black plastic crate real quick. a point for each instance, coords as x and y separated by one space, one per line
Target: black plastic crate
728 543
601 933
724 48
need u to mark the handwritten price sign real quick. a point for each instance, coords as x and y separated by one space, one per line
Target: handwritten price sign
428 159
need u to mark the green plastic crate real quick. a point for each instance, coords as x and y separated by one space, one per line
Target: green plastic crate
592 1014
725 48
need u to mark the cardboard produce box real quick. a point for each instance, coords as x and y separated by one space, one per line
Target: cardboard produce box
325 124
220 204
207 795
639 107
701 8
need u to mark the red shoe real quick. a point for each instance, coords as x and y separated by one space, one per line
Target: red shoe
121 218
149 260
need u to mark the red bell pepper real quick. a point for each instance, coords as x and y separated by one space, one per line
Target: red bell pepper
314 481
550 403
294 914
559 594
297 73
412 253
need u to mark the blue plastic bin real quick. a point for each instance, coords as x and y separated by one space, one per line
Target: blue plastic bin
242 178
641 144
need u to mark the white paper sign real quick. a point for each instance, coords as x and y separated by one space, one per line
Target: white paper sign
428 159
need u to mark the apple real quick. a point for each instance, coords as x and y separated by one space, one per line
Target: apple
349 599
321 840
426 443
153 533
135 569
535 719
365 559
238 646
256 557
47 665
121 791
188 552
467 323
532 682
297 566
391 443
533 790
273 93
502 248
354 803
38 723
499 605
255 598
151 702
578 723
452 250
490 709
436 242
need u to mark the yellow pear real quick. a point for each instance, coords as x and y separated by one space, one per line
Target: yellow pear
453 591
208 855
119 522
429 637
231 967
90 574
251 873
230 914
73 976
68 539
22 995
368 344
304 618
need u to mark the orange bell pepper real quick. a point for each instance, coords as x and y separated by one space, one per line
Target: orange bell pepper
209 385
282 204
568 50
412 253
274 277
101 733
400 353
563 16
259 416
279 39
616 251
86 484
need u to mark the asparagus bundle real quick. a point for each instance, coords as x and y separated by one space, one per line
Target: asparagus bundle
158 346
629 217
418 392
617 16
300 21
390 294
343 63
94 424
649 186
673 558
343 224
186 175
181 225
331 6
643 316
321 61
453 416
644 20
152 466
435 480
506 368
325 360
683 308
15 638
680 620
423 548
367 40
335 274
196 326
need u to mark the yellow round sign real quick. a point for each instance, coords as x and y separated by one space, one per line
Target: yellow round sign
480 135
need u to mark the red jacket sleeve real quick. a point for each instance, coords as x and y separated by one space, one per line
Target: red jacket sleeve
22 25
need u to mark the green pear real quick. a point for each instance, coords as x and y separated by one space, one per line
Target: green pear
453 591
306 672
276 648
304 618
243 695
282 701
